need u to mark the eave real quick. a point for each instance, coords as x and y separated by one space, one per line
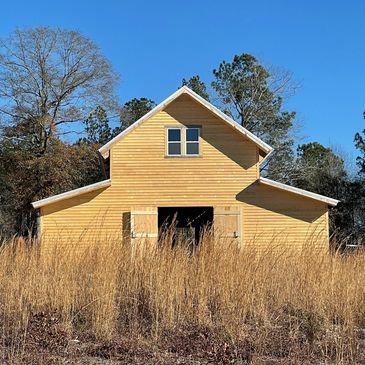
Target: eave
72 193
304 193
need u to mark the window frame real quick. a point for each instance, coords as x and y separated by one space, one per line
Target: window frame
190 142
183 141
176 142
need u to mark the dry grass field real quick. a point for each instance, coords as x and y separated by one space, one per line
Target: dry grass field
102 302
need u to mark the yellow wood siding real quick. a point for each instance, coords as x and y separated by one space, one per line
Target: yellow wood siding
286 218
145 176
224 175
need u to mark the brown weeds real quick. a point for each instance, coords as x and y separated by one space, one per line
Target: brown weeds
221 303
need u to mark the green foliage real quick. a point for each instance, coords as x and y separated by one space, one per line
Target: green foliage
197 85
252 96
348 218
353 203
319 169
360 145
97 126
133 110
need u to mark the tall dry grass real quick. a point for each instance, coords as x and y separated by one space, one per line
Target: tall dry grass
272 296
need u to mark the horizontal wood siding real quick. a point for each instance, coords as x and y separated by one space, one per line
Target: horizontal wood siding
224 175
272 216
145 176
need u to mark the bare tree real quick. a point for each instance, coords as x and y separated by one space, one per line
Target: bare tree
50 78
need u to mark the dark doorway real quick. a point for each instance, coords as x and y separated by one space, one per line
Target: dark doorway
187 223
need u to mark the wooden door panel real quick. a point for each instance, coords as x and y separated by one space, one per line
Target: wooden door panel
227 221
144 223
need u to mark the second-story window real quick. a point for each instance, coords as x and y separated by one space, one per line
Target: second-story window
174 141
192 141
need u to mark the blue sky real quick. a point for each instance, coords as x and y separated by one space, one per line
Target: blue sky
154 44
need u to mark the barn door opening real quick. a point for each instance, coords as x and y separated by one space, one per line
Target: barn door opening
227 222
187 224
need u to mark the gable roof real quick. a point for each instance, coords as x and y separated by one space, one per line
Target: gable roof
104 150
292 189
71 193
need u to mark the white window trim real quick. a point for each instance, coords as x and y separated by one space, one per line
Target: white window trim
168 142
183 142
187 142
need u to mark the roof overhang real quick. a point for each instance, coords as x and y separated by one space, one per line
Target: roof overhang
104 150
305 193
71 194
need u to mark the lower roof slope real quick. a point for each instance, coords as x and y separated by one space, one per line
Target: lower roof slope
107 183
305 193
71 193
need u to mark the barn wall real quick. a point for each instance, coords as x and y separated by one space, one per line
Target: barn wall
224 175
272 216
145 176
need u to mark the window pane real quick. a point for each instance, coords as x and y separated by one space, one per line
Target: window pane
192 134
174 148
192 148
174 135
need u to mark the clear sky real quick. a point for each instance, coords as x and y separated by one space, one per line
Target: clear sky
154 44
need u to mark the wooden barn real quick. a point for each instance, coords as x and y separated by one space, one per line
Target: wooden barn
188 161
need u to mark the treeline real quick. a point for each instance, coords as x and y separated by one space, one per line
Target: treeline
55 84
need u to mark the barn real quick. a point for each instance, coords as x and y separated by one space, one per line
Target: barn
186 161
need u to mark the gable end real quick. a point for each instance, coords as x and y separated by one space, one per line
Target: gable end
264 148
